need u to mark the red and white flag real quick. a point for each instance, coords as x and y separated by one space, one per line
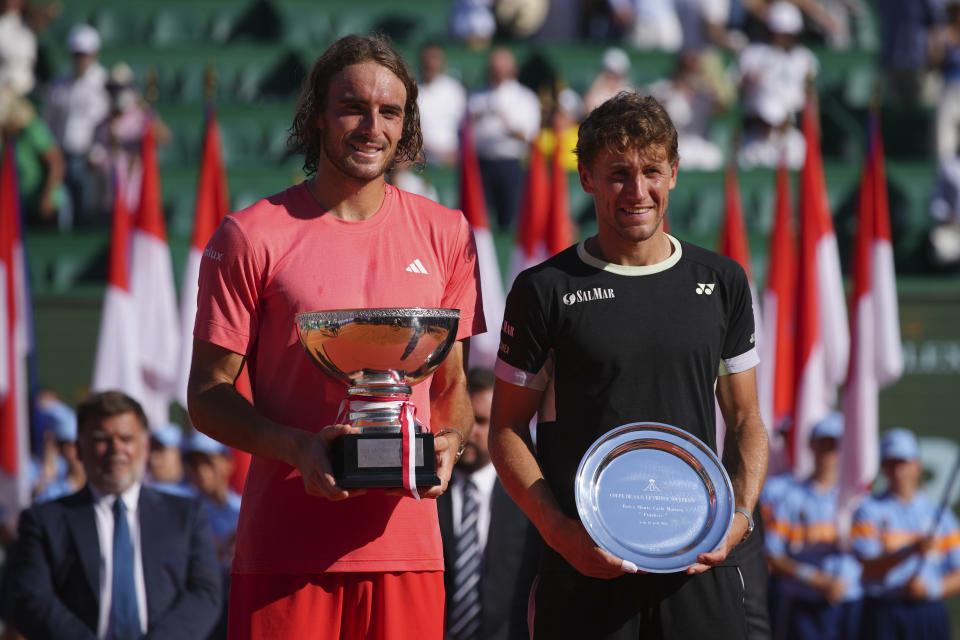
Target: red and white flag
531 240
559 229
212 206
733 244
876 357
14 348
483 348
154 293
823 339
815 206
776 370
116 365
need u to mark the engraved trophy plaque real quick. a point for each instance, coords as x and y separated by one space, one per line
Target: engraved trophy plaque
379 354
655 495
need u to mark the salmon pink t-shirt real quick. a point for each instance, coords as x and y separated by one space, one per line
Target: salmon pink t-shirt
285 255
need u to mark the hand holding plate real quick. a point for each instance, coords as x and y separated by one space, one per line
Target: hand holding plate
572 541
712 558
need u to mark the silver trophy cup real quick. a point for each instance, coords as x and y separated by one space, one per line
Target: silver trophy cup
379 354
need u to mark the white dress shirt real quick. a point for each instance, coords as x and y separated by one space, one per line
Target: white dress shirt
75 106
498 111
103 509
442 102
484 480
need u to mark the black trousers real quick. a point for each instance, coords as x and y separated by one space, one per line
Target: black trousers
672 606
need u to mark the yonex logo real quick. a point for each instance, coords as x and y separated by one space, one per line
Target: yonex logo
705 288
417 267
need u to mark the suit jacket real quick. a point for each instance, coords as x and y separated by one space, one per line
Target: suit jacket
510 562
55 581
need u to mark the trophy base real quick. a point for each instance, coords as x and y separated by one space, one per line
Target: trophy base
373 460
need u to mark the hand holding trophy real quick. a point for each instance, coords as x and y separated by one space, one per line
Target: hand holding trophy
380 354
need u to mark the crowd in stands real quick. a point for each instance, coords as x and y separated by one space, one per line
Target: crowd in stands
745 59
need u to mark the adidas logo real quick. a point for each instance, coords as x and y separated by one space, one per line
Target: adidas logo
702 288
417 267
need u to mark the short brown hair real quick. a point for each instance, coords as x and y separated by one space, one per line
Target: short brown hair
479 379
346 51
628 120
107 404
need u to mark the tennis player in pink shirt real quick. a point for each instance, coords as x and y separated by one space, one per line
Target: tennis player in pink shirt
314 560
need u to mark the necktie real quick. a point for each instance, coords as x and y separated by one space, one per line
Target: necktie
465 606
123 610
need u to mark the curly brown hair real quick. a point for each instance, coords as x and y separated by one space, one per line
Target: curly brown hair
353 49
628 120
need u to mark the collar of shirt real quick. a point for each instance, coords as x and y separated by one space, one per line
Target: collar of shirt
103 512
484 480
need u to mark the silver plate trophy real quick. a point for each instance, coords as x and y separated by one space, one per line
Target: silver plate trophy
380 354
655 495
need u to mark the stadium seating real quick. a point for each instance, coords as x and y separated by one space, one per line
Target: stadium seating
261 49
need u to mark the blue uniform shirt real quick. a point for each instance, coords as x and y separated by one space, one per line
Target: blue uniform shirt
883 524
804 528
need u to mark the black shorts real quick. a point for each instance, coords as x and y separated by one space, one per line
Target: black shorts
671 606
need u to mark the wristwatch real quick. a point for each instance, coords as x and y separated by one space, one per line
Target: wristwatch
459 453
749 517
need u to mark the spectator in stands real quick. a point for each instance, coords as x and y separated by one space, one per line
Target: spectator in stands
443 102
505 117
473 22
905 29
909 547
945 203
945 209
563 129
692 100
777 71
648 24
945 57
165 462
208 468
73 108
60 422
18 48
40 163
613 78
704 25
820 583
773 77
828 20
117 139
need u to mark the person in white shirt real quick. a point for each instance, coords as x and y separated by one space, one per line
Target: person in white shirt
18 48
116 559
507 547
777 70
773 79
73 107
505 116
442 102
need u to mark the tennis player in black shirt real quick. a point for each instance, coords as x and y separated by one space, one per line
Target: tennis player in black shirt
638 326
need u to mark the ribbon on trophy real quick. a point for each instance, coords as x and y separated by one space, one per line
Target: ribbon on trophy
408 429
